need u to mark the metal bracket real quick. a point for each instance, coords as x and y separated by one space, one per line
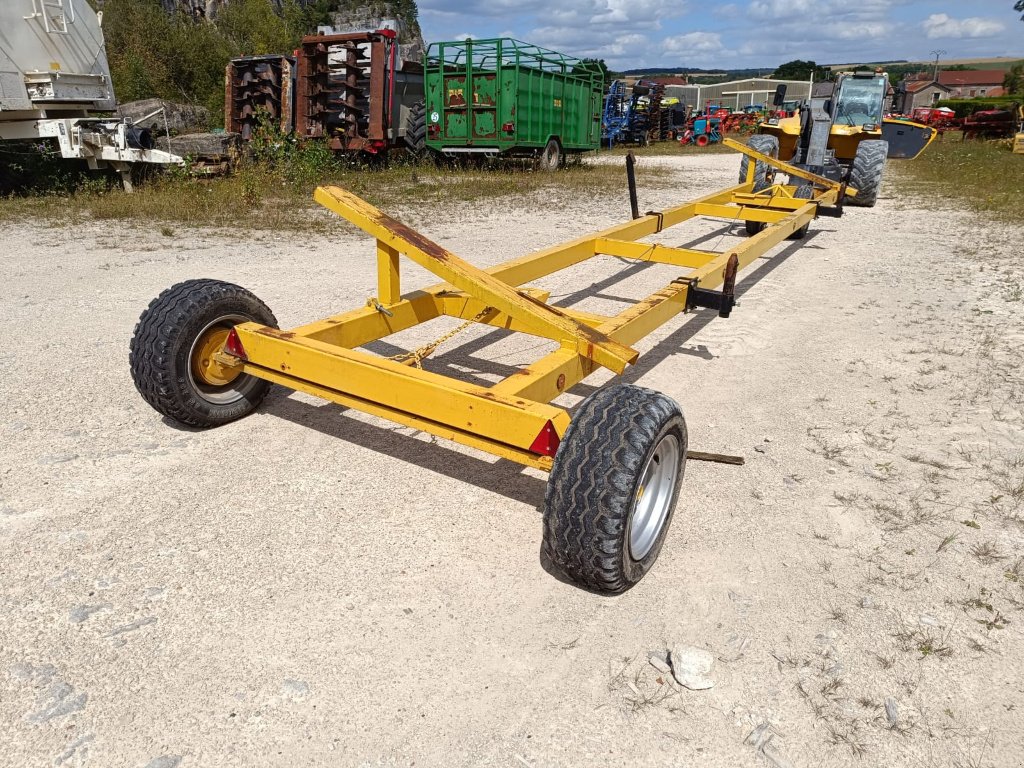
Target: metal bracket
661 219
723 300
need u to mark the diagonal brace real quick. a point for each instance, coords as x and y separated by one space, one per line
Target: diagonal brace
492 291
785 167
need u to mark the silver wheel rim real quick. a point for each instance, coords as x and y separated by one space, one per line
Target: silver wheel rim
229 393
653 500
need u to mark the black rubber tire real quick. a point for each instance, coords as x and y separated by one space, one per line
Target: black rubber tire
803 192
593 483
866 173
416 129
755 227
552 157
161 346
766 145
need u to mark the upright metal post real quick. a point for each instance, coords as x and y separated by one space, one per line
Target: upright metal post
634 206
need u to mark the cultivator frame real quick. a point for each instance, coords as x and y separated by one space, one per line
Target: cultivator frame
513 419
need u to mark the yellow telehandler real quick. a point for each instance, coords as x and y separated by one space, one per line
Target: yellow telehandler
841 133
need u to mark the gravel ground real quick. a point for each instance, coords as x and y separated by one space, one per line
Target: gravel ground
310 586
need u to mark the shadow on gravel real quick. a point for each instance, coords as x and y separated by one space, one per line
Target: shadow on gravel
391 440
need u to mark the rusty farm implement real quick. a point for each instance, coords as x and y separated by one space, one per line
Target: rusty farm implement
205 352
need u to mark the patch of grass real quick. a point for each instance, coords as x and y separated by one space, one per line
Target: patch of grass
987 552
636 692
924 643
848 735
278 196
983 174
838 614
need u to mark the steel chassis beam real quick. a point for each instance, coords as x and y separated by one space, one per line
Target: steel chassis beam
513 418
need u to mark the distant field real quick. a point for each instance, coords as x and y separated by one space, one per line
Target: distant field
990 63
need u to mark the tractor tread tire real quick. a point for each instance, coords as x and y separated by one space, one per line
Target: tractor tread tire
803 192
866 172
756 227
160 345
766 145
593 482
416 128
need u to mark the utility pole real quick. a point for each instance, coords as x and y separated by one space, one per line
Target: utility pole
935 72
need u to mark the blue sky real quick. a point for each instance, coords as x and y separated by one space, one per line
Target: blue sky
751 33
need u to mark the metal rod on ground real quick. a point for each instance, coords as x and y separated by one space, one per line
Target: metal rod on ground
631 180
720 458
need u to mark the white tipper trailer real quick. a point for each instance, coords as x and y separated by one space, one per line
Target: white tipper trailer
55 84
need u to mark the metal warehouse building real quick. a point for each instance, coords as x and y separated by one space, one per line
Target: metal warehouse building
738 94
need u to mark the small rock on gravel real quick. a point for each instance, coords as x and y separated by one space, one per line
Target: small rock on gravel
892 710
691 667
659 663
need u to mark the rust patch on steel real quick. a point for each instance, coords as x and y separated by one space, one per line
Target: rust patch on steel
429 247
274 333
729 278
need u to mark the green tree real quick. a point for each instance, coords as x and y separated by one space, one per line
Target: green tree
1019 6
1013 82
801 70
254 27
606 75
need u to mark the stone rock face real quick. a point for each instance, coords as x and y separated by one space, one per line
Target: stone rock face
209 145
175 118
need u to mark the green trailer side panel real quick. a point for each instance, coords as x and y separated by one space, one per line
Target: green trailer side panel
507 96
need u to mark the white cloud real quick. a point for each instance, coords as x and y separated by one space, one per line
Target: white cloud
939 25
782 9
693 42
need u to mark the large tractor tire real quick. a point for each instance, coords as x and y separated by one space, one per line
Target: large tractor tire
803 192
766 145
755 227
613 487
172 353
416 129
866 173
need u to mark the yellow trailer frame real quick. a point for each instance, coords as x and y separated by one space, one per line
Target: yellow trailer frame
513 418
205 352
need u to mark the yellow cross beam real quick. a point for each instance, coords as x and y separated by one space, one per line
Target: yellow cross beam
792 170
492 291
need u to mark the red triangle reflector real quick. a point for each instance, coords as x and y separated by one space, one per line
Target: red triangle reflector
233 345
546 443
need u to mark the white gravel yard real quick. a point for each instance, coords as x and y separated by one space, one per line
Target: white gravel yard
311 586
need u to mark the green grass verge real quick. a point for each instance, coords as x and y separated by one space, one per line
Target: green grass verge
985 175
261 196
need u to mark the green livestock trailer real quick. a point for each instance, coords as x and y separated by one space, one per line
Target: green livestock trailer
506 97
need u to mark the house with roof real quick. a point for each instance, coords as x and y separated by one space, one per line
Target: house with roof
973 84
912 94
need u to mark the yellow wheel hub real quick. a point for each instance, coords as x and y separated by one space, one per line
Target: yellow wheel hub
206 365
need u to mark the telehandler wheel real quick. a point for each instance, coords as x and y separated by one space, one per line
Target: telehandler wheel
866 172
754 227
613 487
173 353
766 145
551 158
803 192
